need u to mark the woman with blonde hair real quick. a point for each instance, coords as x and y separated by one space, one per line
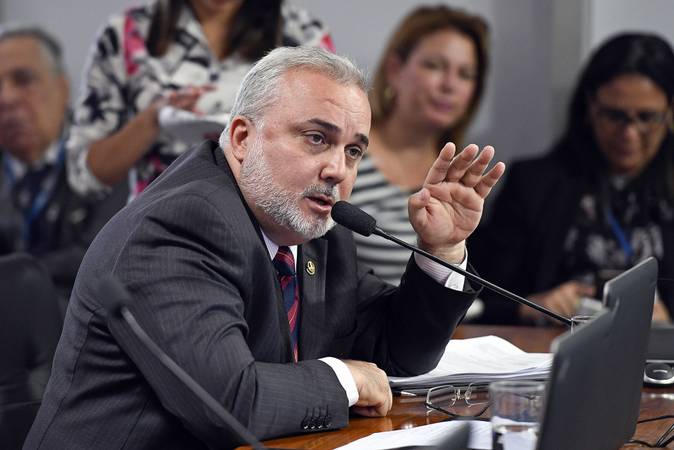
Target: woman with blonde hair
427 88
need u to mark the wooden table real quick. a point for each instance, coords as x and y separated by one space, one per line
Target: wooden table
411 412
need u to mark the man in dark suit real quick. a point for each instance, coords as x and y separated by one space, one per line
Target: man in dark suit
198 251
41 214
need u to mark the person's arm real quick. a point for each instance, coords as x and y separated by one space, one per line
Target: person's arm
404 331
660 312
449 206
563 299
187 291
110 159
101 114
105 139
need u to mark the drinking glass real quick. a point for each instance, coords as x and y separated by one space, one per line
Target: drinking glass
516 408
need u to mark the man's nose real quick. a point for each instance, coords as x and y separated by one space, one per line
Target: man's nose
334 168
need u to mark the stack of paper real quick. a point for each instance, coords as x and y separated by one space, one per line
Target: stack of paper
479 360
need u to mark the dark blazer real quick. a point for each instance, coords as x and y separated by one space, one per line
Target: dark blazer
65 227
520 246
191 254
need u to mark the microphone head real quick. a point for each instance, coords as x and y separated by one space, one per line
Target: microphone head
353 218
112 295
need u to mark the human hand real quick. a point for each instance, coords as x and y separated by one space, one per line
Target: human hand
448 208
374 394
563 299
660 313
185 98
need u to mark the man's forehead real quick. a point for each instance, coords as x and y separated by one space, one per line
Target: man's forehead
23 51
309 95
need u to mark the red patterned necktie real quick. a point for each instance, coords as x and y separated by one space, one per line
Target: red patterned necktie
285 266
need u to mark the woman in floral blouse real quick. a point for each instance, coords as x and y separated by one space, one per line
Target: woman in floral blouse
187 54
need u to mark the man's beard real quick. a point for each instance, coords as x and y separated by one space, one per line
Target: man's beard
281 205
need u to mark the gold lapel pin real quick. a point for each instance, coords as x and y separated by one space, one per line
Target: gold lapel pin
311 268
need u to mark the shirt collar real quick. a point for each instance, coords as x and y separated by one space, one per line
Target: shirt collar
19 168
272 248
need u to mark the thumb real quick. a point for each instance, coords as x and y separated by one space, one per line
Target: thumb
419 200
416 205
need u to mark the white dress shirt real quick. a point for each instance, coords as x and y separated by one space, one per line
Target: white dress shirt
442 275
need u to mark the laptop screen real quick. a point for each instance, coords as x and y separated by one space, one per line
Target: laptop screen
595 385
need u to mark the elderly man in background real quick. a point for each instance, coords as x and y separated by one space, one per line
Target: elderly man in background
40 214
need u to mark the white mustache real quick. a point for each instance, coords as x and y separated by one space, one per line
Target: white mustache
326 190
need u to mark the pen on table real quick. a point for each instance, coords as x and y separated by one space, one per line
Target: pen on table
407 394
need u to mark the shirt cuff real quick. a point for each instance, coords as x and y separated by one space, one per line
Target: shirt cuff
345 378
446 277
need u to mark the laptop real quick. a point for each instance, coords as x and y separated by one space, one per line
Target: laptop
595 384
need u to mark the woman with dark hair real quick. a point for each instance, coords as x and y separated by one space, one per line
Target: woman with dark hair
426 91
600 201
187 56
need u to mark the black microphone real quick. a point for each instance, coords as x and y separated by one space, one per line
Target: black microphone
357 220
114 298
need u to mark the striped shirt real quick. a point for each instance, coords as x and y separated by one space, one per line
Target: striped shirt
387 203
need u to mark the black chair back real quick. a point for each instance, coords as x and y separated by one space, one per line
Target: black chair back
30 326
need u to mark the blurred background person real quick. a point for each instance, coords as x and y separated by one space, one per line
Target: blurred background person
600 201
426 91
190 55
41 215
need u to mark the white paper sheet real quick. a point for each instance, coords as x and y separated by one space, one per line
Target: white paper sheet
481 359
480 436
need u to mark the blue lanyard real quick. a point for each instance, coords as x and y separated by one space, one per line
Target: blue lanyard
47 188
620 236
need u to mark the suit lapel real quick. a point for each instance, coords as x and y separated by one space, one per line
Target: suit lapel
311 270
276 295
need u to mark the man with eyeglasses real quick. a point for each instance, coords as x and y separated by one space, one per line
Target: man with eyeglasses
600 201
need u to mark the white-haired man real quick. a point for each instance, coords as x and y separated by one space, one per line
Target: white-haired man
235 267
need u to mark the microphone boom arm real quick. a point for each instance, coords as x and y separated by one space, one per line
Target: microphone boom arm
215 407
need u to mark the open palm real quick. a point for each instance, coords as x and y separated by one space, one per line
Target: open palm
449 206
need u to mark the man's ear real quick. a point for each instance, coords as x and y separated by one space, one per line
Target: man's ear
241 135
64 87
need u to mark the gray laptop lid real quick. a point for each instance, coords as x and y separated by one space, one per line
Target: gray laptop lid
595 385
570 414
631 295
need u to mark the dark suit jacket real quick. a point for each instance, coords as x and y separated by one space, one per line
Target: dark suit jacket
520 246
65 227
203 285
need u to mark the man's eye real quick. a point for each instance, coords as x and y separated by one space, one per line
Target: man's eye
354 152
23 78
316 138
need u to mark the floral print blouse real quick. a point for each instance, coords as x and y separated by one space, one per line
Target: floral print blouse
122 79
